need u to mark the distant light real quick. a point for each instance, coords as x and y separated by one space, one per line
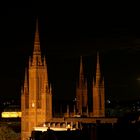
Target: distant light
108 101
33 104
44 125
68 126
52 128
11 115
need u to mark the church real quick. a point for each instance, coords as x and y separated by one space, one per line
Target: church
36 94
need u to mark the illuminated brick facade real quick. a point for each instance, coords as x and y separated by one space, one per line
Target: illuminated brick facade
36 93
98 93
81 92
36 98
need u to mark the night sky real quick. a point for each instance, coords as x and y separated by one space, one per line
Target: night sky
66 33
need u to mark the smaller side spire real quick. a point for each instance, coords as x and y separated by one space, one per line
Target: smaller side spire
93 87
81 74
102 112
98 72
25 79
46 72
30 62
81 66
26 89
85 95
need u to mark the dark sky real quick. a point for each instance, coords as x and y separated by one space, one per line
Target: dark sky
66 32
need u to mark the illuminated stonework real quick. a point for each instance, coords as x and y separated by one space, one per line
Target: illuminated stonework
81 92
98 95
36 98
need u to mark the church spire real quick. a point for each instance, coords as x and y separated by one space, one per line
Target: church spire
36 40
81 91
25 79
36 100
81 66
98 93
37 51
81 78
98 72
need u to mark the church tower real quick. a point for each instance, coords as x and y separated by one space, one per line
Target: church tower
36 96
98 93
81 92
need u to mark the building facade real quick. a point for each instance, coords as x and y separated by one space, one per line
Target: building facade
98 93
81 92
36 97
36 93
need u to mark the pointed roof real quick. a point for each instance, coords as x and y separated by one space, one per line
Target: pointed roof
81 66
25 79
46 72
37 51
98 73
25 87
98 63
36 40
81 78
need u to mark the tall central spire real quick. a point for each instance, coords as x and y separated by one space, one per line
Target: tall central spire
36 41
37 51
98 73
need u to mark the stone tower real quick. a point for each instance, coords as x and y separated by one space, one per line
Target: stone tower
98 93
36 96
81 92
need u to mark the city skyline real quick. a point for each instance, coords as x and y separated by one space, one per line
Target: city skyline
63 40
